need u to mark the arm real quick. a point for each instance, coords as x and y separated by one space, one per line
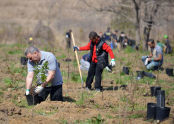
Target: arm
87 47
108 49
29 80
157 58
49 78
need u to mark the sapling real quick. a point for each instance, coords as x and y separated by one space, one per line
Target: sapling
41 71
40 75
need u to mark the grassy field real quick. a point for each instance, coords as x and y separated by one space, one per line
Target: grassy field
116 104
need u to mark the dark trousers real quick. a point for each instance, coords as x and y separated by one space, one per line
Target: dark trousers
54 91
96 70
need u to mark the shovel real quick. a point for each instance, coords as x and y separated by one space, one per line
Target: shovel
77 58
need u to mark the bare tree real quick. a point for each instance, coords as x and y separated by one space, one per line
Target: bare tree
122 8
146 11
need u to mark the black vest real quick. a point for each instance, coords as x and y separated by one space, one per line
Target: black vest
102 55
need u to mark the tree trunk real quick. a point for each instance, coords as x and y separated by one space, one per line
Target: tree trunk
137 21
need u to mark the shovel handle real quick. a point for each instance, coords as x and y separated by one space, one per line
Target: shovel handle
77 58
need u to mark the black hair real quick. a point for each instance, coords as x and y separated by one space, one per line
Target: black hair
93 35
151 40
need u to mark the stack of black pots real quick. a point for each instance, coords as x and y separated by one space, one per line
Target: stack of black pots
158 111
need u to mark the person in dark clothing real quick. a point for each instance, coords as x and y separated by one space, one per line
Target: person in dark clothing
168 46
115 38
68 39
99 55
121 39
107 36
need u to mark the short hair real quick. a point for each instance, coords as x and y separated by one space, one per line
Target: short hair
151 40
31 50
93 35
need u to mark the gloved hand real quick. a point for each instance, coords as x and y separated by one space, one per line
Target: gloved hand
27 92
108 69
76 48
112 62
38 89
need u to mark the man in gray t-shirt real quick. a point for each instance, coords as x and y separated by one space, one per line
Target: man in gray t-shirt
155 59
49 79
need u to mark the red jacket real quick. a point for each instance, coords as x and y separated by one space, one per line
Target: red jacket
105 47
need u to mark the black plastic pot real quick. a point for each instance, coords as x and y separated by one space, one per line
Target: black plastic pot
24 60
140 74
154 90
169 71
126 70
162 113
151 110
160 98
32 99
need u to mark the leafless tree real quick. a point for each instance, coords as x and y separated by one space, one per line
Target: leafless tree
135 11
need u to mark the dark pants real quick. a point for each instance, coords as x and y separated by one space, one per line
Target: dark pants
68 44
96 70
54 91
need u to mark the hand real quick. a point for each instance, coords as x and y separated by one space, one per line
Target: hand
27 92
38 89
112 62
76 48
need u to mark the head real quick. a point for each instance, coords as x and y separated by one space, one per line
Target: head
93 36
116 31
33 54
151 43
100 34
122 34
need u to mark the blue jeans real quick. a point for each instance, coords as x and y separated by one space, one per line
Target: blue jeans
151 64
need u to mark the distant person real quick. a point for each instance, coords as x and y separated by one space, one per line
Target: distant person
85 62
155 59
132 43
125 42
99 59
168 46
101 35
115 38
107 36
68 39
122 38
53 82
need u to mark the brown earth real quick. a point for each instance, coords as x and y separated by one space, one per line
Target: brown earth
116 106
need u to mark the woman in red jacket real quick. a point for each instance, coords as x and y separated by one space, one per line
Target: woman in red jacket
99 59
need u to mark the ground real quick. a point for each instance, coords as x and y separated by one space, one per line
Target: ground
116 104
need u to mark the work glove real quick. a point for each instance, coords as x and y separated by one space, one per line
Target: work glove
27 92
38 89
108 69
112 62
76 48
